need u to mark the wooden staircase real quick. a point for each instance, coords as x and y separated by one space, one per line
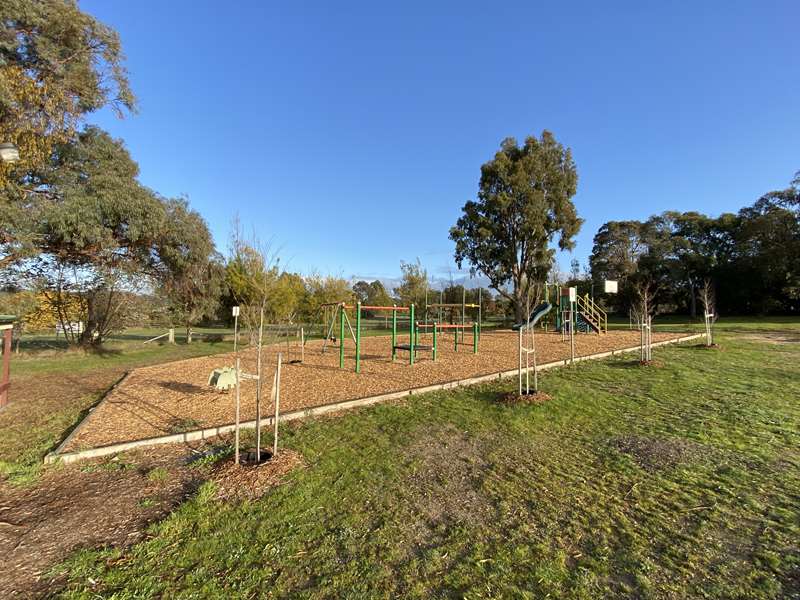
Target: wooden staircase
594 316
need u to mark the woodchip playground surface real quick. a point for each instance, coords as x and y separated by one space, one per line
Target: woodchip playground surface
174 397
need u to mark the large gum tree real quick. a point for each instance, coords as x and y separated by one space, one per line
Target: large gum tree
524 204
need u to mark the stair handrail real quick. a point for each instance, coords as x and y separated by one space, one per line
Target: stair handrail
598 314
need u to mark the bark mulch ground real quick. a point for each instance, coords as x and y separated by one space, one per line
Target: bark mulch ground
174 397
86 506
248 482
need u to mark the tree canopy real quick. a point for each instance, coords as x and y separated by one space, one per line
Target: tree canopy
57 64
524 203
752 258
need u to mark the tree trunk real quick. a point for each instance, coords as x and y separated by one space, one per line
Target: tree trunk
692 301
188 334
519 307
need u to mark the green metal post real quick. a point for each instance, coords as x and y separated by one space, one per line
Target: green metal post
455 338
474 338
394 331
435 327
341 336
411 335
463 310
480 310
358 337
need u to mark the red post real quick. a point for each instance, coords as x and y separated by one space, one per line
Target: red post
4 380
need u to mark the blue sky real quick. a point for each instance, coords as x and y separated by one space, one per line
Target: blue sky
350 134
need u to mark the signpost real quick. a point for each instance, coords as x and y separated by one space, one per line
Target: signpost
6 327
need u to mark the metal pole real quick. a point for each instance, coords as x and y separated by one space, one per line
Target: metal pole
435 326
235 331
572 332
358 337
258 386
411 335
302 345
535 368
236 443
6 376
277 406
341 336
474 338
463 309
480 310
394 331
425 315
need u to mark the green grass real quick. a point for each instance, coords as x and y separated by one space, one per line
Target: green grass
671 482
120 354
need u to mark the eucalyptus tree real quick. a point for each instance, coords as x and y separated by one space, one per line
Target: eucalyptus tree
103 238
57 64
190 272
524 203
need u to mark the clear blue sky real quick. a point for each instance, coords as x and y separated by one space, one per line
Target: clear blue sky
352 133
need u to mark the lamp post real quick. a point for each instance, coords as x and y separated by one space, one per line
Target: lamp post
8 153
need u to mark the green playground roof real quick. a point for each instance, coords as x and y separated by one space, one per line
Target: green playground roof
8 318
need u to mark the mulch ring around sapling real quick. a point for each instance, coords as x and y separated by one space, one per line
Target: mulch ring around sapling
515 398
653 364
709 347
250 480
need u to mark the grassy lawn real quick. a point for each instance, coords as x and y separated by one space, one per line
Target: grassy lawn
663 482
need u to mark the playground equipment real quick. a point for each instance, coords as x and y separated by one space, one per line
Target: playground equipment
437 329
529 328
6 326
579 311
299 336
540 311
461 308
340 316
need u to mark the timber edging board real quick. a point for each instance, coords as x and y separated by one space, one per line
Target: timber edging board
313 411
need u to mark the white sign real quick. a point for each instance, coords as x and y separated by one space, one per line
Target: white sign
610 286
235 311
573 294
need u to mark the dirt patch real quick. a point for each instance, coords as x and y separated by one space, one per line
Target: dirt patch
240 482
652 364
653 454
773 337
444 484
515 398
708 347
152 399
86 506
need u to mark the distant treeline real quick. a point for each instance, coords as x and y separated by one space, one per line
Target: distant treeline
751 259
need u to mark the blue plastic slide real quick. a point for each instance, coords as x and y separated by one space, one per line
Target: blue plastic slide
536 314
